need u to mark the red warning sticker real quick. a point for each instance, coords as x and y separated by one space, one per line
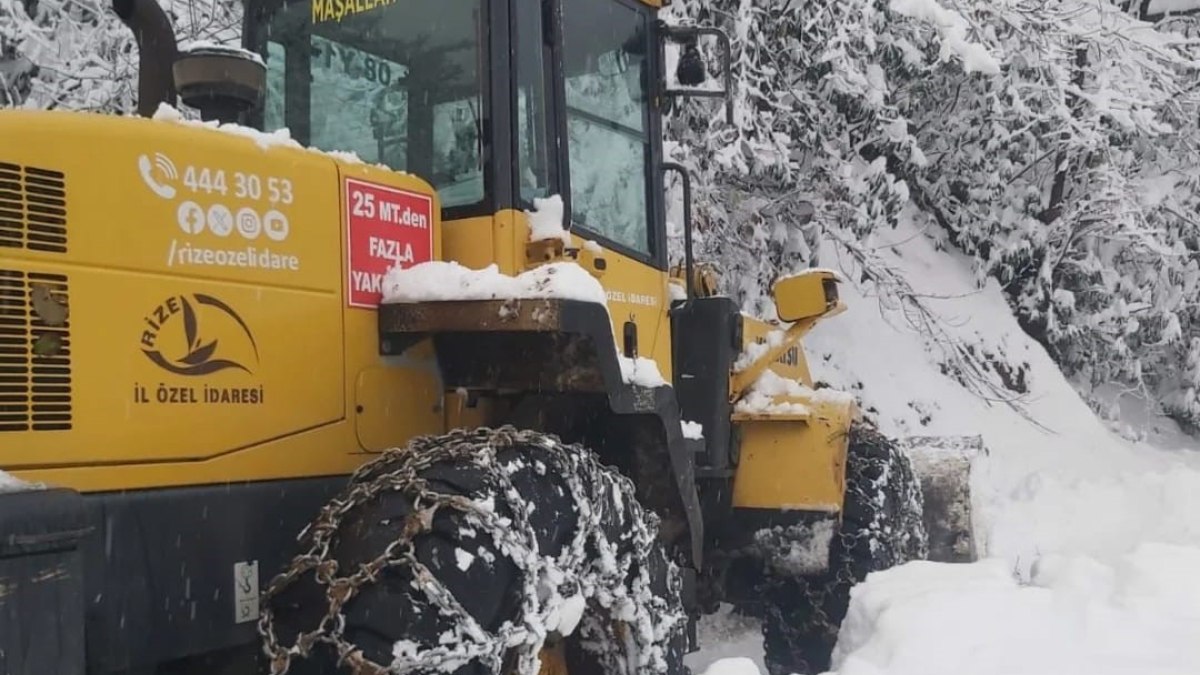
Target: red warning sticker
386 227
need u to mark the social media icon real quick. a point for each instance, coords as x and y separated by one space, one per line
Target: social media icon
191 217
275 224
220 220
248 223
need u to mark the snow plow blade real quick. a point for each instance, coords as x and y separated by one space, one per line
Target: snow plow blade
944 466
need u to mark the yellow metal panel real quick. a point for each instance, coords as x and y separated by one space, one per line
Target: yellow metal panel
803 296
789 464
163 198
792 364
395 403
242 324
324 451
393 398
167 368
470 241
486 240
511 234
202 274
638 292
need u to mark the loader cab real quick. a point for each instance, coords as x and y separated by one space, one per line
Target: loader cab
494 102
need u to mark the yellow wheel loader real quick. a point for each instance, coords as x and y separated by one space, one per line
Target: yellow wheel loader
413 386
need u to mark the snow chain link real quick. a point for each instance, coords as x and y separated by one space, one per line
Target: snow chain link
617 579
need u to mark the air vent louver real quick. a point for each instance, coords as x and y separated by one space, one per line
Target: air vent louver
33 208
35 352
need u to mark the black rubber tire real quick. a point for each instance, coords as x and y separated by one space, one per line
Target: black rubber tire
881 527
393 607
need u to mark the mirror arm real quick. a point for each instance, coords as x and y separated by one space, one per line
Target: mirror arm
687 224
681 34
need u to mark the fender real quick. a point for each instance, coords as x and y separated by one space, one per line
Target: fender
546 346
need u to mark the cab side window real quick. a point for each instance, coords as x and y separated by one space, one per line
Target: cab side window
605 49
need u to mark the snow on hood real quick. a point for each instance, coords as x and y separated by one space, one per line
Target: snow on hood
279 138
449 280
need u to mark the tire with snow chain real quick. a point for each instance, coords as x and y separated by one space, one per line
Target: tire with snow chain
464 553
881 527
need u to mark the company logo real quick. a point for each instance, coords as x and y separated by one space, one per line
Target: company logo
198 334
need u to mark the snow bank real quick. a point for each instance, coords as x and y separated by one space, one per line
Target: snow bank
448 280
1057 478
1074 614
812 271
1158 6
278 138
1085 534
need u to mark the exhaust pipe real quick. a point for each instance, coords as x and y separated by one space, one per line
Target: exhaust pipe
157 52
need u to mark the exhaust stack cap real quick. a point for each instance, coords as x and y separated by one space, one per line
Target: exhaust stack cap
221 82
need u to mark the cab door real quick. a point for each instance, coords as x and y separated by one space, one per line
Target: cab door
609 132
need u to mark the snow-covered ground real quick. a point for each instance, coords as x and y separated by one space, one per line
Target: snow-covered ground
1091 542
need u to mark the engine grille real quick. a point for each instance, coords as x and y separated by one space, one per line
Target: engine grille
33 208
35 352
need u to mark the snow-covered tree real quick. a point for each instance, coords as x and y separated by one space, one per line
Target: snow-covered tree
83 58
1050 140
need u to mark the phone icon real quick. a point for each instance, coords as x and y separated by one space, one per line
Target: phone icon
166 166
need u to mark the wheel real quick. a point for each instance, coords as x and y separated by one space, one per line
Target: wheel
881 527
471 552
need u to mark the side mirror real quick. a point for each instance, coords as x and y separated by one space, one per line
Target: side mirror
810 294
691 71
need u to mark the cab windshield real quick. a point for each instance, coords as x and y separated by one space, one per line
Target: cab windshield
397 83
